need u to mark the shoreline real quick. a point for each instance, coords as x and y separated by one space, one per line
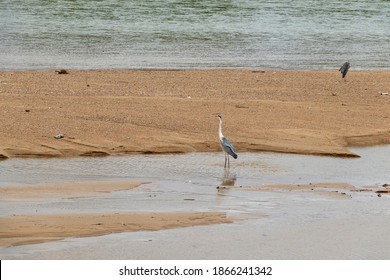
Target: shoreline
178 69
119 112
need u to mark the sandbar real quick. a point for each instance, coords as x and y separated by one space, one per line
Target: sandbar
31 229
117 112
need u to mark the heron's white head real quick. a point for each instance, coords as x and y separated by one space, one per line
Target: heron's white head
219 116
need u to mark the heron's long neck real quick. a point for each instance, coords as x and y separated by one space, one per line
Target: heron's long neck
220 129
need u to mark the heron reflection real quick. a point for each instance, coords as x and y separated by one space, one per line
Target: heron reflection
228 180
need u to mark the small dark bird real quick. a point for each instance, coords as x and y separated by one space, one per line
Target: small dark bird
344 69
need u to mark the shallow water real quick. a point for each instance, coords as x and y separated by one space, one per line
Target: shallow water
269 225
372 168
96 34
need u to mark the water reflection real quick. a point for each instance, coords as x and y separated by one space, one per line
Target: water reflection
229 178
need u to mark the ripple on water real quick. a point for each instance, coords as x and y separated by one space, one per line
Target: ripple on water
372 168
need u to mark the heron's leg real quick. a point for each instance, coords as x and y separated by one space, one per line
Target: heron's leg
228 161
225 160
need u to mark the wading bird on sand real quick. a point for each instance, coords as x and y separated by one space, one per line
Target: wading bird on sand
226 146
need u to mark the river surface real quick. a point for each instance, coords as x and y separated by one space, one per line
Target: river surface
111 34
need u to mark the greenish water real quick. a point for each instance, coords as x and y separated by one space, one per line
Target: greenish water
92 34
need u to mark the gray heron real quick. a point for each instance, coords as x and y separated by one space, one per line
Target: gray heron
344 69
226 146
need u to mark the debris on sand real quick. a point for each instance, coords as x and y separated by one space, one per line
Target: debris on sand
62 71
2 157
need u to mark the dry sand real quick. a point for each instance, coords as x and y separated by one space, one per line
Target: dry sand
133 111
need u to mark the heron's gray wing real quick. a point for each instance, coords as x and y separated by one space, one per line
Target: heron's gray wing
343 67
228 147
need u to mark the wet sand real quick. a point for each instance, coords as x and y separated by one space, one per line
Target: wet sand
34 228
259 222
133 111
37 228
334 190
64 190
30 229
